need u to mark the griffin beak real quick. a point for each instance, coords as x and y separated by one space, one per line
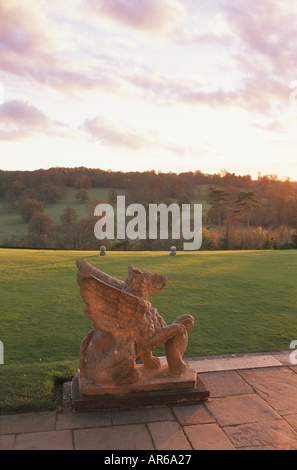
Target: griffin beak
160 283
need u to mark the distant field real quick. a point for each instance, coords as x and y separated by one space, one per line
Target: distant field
241 301
11 223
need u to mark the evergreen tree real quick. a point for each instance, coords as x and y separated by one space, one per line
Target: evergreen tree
245 203
294 240
218 199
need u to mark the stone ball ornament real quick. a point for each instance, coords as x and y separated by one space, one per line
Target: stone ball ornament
172 251
102 250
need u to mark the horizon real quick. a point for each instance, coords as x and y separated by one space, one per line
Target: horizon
259 175
164 85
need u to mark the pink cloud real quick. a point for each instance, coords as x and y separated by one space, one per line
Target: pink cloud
113 134
274 126
22 114
12 31
143 15
27 52
21 120
33 47
263 47
263 51
174 91
24 29
14 135
59 74
266 29
253 93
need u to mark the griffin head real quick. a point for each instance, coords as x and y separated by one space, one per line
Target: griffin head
143 283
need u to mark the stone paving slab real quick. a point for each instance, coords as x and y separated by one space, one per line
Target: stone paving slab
221 384
284 358
193 414
292 420
235 363
263 435
83 420
277 386
53 440
144 415
208 437
7 442
134 437
240 409
168 435
30 422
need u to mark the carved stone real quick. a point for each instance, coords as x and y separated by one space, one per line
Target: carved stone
172 251
125 327
102 250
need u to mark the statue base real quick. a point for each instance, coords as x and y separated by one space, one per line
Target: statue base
157 387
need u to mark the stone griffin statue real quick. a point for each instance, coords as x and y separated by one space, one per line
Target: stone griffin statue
126 326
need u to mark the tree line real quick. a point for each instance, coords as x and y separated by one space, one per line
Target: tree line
240 210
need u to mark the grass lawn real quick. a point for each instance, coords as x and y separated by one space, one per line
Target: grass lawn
241 302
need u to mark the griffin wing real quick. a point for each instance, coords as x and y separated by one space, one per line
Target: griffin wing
86 269
112 309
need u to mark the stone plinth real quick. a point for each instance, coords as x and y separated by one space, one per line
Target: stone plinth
157 387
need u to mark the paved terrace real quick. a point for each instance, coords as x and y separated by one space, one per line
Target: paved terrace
253 405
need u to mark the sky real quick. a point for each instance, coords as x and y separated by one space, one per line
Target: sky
136 85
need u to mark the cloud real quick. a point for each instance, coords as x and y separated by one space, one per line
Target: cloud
162 89
60 74
267 33
251 93
15 33
14 135
21 120
164 20
50 44
263 55
273 126
259 49
158 16
34 46
23 113
111 133
29 42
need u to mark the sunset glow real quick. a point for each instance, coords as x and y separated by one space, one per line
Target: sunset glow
169 85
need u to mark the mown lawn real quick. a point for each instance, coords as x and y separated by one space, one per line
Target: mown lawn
241 302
